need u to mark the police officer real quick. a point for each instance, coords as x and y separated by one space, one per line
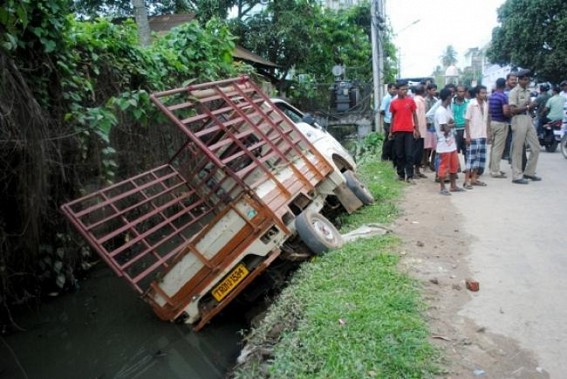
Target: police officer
520 107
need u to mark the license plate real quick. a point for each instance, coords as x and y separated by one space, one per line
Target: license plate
230 282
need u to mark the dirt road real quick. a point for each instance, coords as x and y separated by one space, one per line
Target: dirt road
510 238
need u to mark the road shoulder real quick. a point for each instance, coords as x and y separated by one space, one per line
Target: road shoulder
435 251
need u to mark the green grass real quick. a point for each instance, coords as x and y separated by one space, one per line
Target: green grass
350 313
380 178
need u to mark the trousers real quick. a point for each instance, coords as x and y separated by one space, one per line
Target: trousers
524 133
499 133
403 149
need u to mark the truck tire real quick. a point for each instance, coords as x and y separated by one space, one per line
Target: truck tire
564 145
358 188
317 232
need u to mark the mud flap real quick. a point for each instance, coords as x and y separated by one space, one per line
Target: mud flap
347 198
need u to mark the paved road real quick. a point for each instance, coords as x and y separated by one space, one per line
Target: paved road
519 256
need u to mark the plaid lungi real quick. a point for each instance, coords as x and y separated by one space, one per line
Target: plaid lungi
475 157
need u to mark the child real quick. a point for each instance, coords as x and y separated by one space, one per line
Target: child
446 146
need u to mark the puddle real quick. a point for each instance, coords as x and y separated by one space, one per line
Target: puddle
106 331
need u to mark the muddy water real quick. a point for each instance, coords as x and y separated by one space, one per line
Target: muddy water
105 331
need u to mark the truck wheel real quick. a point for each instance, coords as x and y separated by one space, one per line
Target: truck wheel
317 232
564 145
358 188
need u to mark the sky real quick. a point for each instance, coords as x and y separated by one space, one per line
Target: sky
462 23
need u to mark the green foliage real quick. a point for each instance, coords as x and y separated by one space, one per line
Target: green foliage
283 32
123 8
29 24
380 178
532 34
109 77
306 41
188 46
342 37
360 319
306 87
369 147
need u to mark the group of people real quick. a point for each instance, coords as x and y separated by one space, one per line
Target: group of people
428 129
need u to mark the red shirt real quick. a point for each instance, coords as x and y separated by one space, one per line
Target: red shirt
402 114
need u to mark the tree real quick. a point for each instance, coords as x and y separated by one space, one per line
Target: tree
141 15
532 34
449 56
124 8
283 32
204 9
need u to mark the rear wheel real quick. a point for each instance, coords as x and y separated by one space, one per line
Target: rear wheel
564 145
318 233
358 188
551 147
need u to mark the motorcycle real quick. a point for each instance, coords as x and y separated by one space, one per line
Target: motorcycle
550 135
563 143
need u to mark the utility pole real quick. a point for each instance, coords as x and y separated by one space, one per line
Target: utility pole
376 26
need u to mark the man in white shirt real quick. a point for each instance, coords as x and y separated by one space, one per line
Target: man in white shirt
446 145
386 116
476 127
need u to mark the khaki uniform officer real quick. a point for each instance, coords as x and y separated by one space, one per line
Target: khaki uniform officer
523 131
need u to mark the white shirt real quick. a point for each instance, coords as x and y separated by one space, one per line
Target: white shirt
444 144
478 118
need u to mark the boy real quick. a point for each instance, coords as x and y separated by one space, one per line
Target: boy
446 146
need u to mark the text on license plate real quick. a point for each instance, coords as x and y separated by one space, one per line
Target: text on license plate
230 282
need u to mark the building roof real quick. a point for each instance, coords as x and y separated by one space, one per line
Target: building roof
246 55
162 24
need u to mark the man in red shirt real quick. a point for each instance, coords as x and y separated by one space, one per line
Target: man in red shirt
404 129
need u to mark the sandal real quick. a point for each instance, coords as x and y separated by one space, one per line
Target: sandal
479 183
444 192
467 186
500 175
457 189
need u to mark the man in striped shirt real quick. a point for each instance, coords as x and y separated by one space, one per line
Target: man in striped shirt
499 112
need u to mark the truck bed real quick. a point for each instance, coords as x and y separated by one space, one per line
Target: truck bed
174 232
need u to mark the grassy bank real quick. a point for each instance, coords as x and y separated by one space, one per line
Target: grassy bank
350 313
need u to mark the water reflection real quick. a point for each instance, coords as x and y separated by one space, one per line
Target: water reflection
105 331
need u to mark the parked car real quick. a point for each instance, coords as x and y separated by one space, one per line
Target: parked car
249 186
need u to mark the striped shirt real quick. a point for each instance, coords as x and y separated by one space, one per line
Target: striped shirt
495 104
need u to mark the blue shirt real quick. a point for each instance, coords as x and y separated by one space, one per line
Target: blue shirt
385 107
496 101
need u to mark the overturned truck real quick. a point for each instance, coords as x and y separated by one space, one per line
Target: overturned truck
248 186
